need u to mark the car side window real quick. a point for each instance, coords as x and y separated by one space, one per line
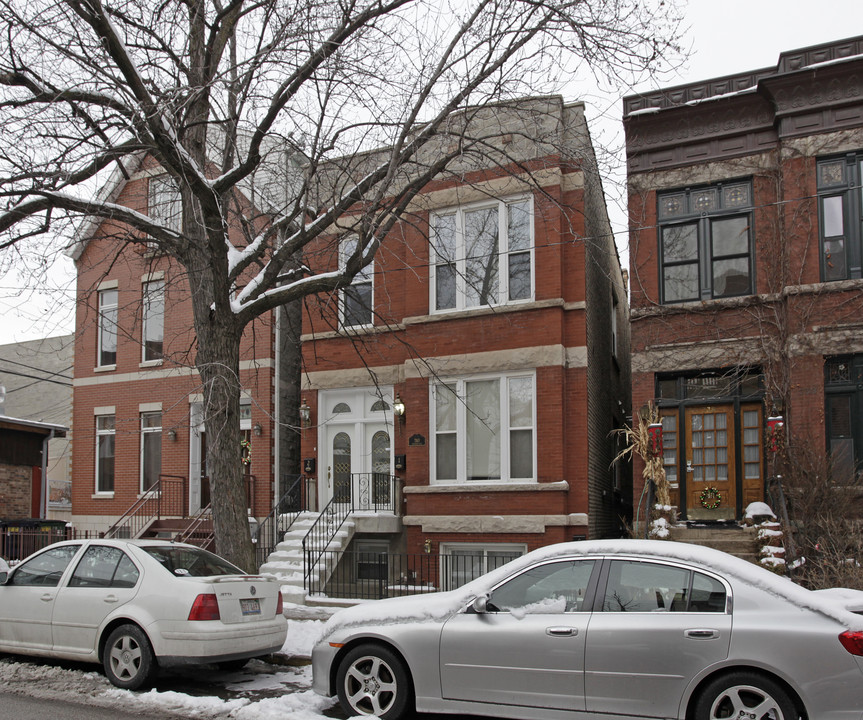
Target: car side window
553 587
635 586
708 595
103 567
45 569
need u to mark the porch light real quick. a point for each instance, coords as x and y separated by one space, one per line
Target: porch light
305 414
172 434
257 429
398 407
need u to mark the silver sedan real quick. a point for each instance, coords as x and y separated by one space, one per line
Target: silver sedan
136 605
622 628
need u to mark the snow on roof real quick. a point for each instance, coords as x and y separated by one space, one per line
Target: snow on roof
439 606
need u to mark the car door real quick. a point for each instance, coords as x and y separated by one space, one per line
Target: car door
27 600
655 627
527 649
104 579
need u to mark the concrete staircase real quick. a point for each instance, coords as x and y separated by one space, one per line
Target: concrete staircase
733 539
285 563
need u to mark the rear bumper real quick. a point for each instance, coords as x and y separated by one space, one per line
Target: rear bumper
215 642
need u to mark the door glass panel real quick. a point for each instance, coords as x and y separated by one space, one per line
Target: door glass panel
381 468
669 447
342 467
45 569
551 588
645 587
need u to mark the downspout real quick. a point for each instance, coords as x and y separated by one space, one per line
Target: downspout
43 500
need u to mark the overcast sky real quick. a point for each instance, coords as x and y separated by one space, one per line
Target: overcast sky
722 38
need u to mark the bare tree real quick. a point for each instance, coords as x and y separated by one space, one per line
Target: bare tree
263 113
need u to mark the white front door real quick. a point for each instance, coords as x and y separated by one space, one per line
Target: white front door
357 440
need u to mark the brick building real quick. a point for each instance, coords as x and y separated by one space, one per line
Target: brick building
495 320
460 394
745 231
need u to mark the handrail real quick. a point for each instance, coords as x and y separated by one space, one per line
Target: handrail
272 528
149 507
365 491
199 519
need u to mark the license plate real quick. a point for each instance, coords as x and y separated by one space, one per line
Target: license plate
250 606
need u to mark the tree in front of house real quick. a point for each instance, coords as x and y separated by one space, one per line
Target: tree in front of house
262 115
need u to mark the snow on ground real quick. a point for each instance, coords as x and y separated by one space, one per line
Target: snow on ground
286 695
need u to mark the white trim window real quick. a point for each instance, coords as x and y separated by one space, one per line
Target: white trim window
470 245
151 449
152 320
105 436
463 562
164 202
484 429
357 300
107 355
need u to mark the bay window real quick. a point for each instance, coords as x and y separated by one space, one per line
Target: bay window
484 429
482 255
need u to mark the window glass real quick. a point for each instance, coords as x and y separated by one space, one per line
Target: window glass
554 587
191 562
840 207
708 595
481 257
165 202
730 236
151 449
645 587
103 567
731 277
45 569
356 298
834 216
153 319
105 432
679 243
483 430
521 427
518 235
680 282
107 327
465 562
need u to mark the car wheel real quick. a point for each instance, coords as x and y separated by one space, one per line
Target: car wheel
128 660
744 695
372 680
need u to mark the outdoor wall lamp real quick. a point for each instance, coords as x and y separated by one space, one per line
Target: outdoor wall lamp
257 429
398 407
172 434
305 414
427 546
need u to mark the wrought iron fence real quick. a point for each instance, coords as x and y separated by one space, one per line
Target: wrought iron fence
360 575
18 539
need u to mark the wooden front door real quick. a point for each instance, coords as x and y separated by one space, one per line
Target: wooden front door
711 480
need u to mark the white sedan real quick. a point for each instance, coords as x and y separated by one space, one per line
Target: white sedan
136 605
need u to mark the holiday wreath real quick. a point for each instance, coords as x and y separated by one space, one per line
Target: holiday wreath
710 498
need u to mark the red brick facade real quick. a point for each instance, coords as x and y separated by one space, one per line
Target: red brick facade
707 349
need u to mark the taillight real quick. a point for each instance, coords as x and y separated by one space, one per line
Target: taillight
852 641
205 607
280 605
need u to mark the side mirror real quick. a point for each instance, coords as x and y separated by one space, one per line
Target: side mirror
480 604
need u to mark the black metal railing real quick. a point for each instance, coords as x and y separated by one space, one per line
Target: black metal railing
18 539
298 498
167 498
375 492
360 575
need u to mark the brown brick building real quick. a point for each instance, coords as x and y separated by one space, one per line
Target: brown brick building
745 231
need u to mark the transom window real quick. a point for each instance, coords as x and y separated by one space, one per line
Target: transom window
484 429
482 255
705 241
840 214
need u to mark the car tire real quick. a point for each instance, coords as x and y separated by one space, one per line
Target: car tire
373 680
128 658
738 694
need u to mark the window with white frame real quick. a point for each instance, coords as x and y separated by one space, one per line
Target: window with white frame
105 434
356 299
153 320
164 202
484 429
463 562
107 353
151 449
482 255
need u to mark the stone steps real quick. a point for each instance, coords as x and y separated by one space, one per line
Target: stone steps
734 540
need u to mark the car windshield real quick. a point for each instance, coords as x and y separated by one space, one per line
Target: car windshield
191 562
